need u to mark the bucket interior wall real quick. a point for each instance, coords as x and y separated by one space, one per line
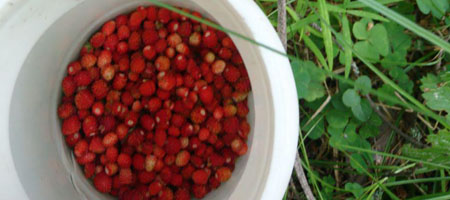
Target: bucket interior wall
43 161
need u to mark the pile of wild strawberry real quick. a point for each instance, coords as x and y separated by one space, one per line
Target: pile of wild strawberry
156 106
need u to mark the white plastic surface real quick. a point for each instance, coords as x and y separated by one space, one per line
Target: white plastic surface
39 38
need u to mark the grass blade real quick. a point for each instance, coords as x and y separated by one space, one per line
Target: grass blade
408 24
347 50
316 51
327 41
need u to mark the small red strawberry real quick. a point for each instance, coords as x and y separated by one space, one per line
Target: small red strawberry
209 39
231 73
162 63
136 19
160 45
96 145
137 65
131 119
84 99
112 154
90 126
125 176
109 27
111 169
147 122
123 32
166 81
147 88
155 188
104 58
172 146
69 85
213 125
138 161
110 139
149 52
134 41
164 15
124 160
73 68
81 148
97 39
182 158
198 115
200 177
73 139
121 20
206 94
119 82
149 37
154 104
71 125
99 89
88 60
103 182
82 78
65 110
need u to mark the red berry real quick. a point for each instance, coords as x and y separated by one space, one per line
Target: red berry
164 15
69 86
147 122
103 182
135 19
109 27
231 73
149 52
111 169
155 188
81 148
137 65
182 158
147 88
138 162
90 126
124 160
134 41
110 139
97 39
198 115
84 99
99 89
162 63
206 94
73 68
125 176
96 145
200 177
172 146
71 125
223 174
112 154
65 110
166 81
123 32
209 39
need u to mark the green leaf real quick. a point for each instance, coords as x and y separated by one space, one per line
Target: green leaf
351 98
313 47
429 82
437 7
438 99
362 111
364 84
378 38
403 21
367 51
437 153
360 29
356 189
358 163
308 80
337 119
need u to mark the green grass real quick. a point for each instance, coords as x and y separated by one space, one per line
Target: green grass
353 155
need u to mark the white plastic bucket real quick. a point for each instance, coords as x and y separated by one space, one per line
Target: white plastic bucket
39 37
